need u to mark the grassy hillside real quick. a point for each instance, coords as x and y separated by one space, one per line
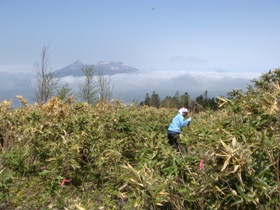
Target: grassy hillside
69 155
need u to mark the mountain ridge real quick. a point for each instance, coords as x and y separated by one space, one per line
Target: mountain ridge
104 67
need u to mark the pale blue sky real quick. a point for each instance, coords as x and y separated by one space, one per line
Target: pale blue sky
163 35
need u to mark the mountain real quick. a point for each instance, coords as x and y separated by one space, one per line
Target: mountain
105 67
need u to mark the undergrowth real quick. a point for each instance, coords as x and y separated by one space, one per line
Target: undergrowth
70 155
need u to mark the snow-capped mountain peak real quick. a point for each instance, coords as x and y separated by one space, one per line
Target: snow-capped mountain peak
105 67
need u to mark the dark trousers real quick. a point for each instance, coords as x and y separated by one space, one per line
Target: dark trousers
174 140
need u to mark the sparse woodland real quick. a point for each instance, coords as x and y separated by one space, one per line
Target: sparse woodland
65 154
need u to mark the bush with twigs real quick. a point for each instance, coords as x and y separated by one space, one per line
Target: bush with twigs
71 155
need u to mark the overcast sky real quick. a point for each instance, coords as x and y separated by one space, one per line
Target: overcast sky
172 37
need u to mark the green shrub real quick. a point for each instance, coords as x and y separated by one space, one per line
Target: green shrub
116 156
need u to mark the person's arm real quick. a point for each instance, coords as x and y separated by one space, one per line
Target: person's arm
187 121
184 122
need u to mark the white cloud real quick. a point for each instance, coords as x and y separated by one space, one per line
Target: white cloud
134 86
71 79
166 83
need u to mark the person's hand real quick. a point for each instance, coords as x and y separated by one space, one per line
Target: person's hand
189 119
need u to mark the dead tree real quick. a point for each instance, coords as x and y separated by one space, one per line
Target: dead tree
46 82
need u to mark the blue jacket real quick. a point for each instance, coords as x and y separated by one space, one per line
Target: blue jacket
177 123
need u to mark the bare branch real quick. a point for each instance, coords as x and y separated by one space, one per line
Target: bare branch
46 82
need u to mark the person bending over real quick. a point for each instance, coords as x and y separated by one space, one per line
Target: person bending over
175 127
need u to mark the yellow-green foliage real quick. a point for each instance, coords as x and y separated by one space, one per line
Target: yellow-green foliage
116 156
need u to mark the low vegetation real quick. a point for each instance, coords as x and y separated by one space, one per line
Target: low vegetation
72 155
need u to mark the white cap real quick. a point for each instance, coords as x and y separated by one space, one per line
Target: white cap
183 110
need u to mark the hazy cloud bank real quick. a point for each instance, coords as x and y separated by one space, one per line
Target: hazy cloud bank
128 87
166 83
13 84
